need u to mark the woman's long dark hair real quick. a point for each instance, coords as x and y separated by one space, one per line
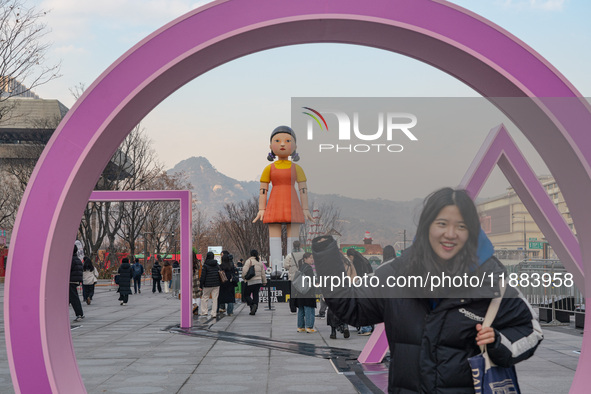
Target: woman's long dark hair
88 264
388 253
226 264
422 257
254 253
360 262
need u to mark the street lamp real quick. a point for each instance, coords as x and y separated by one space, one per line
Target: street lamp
175 243
146 249
524 235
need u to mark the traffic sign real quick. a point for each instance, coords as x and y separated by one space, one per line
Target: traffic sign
536 245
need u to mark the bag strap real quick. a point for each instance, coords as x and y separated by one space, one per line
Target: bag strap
491 313
493 308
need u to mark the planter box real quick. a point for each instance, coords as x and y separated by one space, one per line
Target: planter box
546 315
579 319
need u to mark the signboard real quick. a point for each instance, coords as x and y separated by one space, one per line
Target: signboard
215 249
360 249
280 291
217 252
533 239
536 244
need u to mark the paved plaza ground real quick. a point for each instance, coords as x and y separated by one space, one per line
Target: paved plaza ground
132 349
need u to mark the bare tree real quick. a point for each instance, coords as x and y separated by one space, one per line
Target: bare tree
132 167
201 230
327 217
22 51
163 217
136 154
234 227
10 197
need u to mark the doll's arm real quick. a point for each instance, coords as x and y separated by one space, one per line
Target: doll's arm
303 187
262 201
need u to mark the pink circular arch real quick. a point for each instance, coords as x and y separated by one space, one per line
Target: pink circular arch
463 44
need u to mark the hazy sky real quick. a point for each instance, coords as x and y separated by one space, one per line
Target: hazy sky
227 114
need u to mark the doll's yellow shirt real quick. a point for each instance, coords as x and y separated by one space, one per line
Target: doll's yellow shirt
283 165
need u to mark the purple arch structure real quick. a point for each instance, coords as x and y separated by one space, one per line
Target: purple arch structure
461 43
185 206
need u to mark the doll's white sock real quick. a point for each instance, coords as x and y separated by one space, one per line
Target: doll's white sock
275 251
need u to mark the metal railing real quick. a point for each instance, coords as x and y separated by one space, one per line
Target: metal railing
547 285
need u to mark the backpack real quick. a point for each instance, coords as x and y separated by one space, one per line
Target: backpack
137 270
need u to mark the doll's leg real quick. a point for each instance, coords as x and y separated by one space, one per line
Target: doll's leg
275 244
293 233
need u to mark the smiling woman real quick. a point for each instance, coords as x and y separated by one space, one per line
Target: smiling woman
432 332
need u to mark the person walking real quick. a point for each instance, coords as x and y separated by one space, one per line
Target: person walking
227 295
137 272
290 264
89 279
197 292
156 277
432 332
166 276
125 275
362 267
76 276
251 293
306 303
209 282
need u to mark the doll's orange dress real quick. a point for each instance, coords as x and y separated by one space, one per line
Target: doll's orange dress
283 205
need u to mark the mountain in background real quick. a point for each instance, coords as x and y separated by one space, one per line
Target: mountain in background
211 188
384 219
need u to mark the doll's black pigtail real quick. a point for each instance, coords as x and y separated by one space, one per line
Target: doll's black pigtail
295 156
271 156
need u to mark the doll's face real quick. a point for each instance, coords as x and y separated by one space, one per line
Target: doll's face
282 145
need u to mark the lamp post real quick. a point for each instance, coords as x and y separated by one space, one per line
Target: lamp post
146 249
524 236
175 242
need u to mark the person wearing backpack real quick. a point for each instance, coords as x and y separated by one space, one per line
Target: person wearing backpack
137 270
156 277
253 284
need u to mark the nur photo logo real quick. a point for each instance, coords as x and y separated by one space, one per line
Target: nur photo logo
351 137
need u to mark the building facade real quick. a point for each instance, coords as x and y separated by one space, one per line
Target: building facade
512 229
